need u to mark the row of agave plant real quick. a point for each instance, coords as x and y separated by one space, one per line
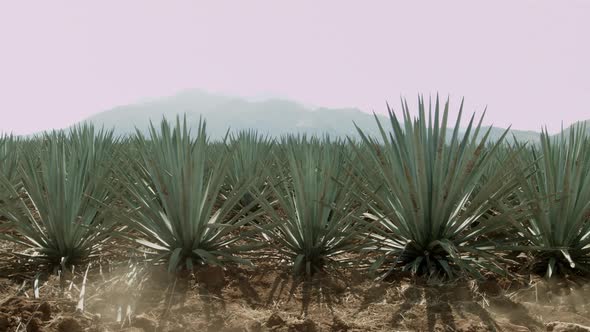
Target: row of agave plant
425 196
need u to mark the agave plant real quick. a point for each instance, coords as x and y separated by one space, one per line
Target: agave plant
176 192
316 215
429 197
9 153
58 209
558 228
250 153
8 164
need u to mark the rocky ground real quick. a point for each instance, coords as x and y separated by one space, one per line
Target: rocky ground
269 299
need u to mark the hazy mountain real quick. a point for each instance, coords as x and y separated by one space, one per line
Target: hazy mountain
273 116
586 123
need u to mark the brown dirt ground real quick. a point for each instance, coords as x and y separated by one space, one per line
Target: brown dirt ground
267 298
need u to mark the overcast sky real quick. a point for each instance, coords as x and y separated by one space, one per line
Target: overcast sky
528 61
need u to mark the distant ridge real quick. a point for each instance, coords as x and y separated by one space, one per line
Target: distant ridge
274 117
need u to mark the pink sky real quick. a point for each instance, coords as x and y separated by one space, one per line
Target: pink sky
528 61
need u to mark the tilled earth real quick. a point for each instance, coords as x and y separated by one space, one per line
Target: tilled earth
269 299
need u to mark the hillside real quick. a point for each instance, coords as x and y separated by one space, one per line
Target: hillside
586 123
274 117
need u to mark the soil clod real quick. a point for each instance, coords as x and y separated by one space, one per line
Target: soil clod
145 323
4 322
69 324
307 325
338 325
211 277
45 309
566 327
275 320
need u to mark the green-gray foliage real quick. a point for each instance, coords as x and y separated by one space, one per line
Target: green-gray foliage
558 227
250 154
59 207
434 208
316 216
175 190
9 154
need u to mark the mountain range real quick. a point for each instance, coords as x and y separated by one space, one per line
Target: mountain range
274 117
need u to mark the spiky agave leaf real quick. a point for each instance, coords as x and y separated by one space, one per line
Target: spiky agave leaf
9 156
174 190
316 215
58 207
430 199
558 228
250 154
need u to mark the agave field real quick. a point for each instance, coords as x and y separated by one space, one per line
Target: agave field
429 226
